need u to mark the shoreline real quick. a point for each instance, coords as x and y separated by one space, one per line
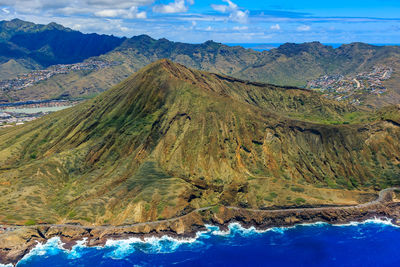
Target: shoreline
19 242
233 227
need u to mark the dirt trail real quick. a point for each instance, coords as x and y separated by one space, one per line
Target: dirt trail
384 196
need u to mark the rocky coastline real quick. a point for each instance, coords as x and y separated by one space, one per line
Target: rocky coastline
18 241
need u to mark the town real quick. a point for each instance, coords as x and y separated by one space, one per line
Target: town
353 87
19 113
33 77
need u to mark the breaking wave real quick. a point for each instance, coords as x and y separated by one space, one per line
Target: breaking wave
121 249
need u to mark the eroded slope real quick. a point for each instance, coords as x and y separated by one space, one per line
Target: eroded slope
170 139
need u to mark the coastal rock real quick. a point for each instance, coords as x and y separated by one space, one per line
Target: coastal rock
15 244
19 240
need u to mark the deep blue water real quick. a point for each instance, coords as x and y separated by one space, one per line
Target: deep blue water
369 244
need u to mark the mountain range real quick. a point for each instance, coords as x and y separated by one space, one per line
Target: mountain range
170 139
27 46
39 46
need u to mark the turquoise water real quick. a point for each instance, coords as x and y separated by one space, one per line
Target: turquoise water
34 110
373 243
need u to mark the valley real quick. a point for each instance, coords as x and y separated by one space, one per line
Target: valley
290 64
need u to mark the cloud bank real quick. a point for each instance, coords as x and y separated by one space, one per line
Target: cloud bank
235 13
200 20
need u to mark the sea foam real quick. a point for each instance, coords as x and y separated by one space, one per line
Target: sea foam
164 244
119 249
53 246
234 228
380 221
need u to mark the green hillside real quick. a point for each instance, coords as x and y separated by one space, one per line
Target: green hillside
170 139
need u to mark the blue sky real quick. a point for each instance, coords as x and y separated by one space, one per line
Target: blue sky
227 21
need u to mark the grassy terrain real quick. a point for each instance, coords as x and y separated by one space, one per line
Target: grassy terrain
170 139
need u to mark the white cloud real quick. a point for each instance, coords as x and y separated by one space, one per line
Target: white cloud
235 14
103 8
122 13
109 13
178 6
5 10
117 3
193 26
99 25
141 15
304 28
275 27
225 8
242 28
239 16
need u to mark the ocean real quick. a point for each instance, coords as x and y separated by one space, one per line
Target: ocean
268 46
372 243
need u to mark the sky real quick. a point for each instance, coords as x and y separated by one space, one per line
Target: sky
226 21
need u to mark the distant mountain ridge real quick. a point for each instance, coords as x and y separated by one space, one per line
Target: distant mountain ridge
50 44
290 64
8 29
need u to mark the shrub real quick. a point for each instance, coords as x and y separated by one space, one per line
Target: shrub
297 189
72 214
271 196
147 207
299 201
30 222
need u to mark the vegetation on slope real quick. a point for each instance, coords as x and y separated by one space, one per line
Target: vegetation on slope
170 139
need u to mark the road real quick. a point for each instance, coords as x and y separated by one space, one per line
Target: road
382 197
357 82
